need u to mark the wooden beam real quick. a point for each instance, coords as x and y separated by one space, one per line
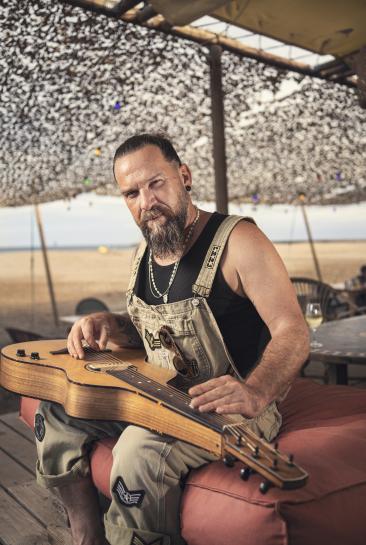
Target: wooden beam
207 38
145 17
311 242
218 129
46 265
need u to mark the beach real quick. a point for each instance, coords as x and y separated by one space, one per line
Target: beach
76 274
24 296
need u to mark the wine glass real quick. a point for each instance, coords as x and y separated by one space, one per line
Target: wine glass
314 317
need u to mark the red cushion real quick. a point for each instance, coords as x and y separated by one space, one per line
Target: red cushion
325 427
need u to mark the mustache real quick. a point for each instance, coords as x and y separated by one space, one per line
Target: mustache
153 213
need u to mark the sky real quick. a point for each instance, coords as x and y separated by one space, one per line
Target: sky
92 220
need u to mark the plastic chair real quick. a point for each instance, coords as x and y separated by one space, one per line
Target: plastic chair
89 305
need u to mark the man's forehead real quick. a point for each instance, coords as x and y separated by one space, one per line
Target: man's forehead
145 157
141 165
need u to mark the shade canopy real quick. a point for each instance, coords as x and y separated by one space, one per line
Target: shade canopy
75 84
332 27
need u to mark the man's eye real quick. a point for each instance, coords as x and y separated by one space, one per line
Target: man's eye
157 183
131 195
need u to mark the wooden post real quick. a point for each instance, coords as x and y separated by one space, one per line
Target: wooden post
46 265
218 129
311 242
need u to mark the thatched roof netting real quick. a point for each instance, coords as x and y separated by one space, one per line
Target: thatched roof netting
75 84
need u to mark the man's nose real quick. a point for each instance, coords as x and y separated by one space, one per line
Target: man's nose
147 199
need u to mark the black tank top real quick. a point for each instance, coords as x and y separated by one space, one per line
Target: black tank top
244 332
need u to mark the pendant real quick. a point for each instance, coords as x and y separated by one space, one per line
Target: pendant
165 297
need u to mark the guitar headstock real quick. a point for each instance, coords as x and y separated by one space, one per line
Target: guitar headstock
241 443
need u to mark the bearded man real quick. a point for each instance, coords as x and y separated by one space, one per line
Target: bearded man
219 288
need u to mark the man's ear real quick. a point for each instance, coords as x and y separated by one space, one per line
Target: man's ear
186 176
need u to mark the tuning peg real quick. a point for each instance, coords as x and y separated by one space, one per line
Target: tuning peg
229 460
264 487
245 473
276 445
274 464
256 452
238 441
290 460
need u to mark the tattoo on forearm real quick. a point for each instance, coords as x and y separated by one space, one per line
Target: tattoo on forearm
128 335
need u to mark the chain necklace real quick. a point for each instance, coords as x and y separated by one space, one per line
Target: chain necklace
153 288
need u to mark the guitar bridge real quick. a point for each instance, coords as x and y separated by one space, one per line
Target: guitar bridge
110 366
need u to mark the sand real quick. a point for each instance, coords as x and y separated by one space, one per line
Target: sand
24 297
25 302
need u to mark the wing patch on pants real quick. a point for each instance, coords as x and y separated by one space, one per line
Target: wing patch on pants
137 540
129 498
39 427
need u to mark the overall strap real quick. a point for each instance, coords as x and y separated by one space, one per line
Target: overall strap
203 284
136 264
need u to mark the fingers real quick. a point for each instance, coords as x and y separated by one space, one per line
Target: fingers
91 328
209 400
233 408
209 385
216 403
104 336
209 395
226 395
72 342
90 333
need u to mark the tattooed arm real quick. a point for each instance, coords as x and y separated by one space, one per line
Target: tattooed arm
99 328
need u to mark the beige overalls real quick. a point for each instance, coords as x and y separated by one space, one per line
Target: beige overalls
148 469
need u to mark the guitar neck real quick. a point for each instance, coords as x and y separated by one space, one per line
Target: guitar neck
177 401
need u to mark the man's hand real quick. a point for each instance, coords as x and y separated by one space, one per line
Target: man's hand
227 395
95 329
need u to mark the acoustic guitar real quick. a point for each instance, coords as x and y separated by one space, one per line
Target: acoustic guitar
120 385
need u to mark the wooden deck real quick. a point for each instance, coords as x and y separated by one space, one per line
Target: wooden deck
29 514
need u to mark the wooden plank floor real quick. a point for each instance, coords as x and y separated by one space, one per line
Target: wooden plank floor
29 514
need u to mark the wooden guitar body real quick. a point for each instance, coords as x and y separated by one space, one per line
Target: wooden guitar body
120 385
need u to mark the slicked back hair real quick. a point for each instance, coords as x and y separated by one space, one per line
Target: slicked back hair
139 141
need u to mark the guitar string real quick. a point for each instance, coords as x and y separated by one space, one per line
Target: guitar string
180 395
227 427
250 438
184 397
168 389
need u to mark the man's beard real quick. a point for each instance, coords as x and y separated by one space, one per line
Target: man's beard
167 239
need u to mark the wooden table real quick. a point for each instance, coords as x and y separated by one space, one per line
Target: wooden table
344 342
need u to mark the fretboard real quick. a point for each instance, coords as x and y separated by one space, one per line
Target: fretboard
172 398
